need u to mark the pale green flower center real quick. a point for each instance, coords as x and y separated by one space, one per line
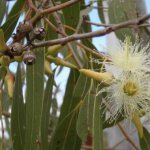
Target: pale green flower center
130 88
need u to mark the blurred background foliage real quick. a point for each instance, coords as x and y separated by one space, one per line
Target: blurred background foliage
42 116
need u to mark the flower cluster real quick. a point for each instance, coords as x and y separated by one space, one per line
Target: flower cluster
129 92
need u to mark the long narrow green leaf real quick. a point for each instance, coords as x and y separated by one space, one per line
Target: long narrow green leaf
71 15
65 136
82 126
18 114
101 11
34 100
120 11
97 125
85 117
145 141
46 113
12 19
2 10
3 72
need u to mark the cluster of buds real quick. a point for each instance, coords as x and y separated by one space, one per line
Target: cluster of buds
16 51
37 33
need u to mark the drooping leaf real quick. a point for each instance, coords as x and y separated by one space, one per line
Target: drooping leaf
2 10
71 15
84 121
138 124
84 12
101 10
65 136
145 141
46 113
120 11
90 120
12 19
3 72
34 100
97 125
2 41
18 114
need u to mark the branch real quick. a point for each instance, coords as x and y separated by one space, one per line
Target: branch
63 33
31 5
39 13
107 30
58 7
81 45
128 138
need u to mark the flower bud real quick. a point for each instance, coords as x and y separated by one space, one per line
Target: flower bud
62 62
39 33
47 68
10 79
24 27
4 60
53 50
29 57
106 77
16 49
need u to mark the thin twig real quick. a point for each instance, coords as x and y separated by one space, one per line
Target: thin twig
89 50
40 13
128 138
98 33
31 5
108 148
109 25
97 24
63 33
58 7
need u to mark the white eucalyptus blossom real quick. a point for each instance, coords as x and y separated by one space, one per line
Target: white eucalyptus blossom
129 92
127 95
130 57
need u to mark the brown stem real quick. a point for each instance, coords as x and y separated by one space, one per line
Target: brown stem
58 7
31 5
63 33
99 33
97 24
89 50
127 137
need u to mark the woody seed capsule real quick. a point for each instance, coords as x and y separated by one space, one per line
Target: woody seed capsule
39 33
24 27
16 49
29 57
